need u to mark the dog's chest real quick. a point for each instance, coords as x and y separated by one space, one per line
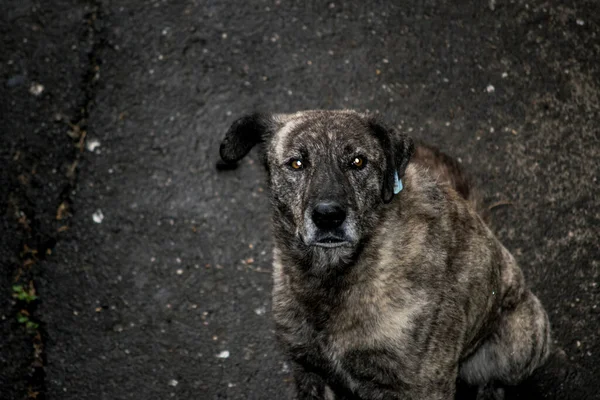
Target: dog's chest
338 338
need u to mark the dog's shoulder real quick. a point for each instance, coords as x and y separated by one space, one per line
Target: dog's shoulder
429 196
448 171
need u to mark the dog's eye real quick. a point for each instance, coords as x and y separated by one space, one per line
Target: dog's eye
358 162
297 164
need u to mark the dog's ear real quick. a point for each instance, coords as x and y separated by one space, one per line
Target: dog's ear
398 150
245 133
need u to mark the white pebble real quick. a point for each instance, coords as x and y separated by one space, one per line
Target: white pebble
92 144
490 89
180 272
173 382
36 89
98 217
580 22
260 310
223 354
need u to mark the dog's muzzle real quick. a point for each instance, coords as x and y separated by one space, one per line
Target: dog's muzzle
328 218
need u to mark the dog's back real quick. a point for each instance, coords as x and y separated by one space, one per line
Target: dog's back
447 170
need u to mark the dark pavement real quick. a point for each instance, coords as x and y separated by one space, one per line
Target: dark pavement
152 270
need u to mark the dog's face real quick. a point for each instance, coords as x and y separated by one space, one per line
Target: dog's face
330 172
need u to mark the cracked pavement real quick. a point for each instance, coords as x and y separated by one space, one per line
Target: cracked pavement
152 270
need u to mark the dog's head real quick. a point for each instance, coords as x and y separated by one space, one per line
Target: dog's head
330 173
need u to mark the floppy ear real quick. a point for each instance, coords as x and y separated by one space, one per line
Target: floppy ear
244 134
398 150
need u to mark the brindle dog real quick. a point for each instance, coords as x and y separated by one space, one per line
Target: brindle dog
382 293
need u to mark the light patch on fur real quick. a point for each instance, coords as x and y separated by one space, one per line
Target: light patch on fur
281 303
329 395
281 137
394 322
277 267
511 275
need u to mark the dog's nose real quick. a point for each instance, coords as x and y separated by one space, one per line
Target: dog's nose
328 215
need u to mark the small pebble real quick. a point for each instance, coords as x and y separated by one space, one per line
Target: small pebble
223 354
98 217
490 89
92 144
36 89
173 382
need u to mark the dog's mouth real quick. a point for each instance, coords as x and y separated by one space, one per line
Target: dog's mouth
331 242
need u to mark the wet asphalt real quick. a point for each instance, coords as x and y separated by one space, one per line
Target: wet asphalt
132 269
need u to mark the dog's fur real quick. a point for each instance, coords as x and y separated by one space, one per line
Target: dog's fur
419 292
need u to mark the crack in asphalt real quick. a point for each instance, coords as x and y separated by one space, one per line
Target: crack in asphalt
36 243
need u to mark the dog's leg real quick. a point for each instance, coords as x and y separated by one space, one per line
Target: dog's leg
520 345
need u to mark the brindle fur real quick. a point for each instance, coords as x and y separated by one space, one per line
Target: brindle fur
422 294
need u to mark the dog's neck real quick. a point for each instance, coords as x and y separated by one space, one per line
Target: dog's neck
318 286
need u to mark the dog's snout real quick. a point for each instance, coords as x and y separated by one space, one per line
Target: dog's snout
328 215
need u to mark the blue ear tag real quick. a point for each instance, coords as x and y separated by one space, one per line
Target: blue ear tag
397 183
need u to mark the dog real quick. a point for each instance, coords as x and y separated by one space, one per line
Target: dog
388 284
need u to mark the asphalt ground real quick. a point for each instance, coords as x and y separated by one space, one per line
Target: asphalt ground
145 274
